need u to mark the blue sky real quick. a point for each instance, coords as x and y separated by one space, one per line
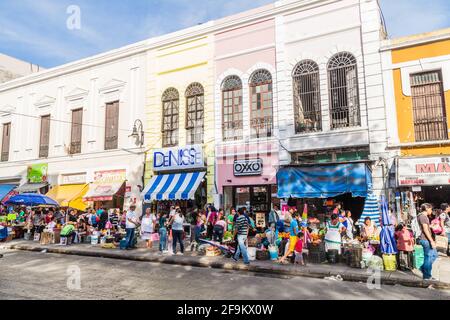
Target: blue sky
35 30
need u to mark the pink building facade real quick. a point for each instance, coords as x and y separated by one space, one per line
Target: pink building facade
246 114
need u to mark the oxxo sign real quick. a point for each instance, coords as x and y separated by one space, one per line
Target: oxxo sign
179 158
252 167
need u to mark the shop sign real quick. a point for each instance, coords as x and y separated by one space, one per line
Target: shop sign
252 167
109 177
37 173
424 171
73 178
178 158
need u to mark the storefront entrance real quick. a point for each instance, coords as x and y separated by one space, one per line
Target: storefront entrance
258 198
435 195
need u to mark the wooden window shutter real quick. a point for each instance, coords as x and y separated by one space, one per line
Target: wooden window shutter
112 126
77 131
6 141
45 137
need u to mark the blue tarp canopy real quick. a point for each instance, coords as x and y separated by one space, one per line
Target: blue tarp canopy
5 189
324 181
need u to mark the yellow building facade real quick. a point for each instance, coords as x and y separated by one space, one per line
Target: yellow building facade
417 92
179 97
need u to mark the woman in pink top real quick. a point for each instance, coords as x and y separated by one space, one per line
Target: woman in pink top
405 246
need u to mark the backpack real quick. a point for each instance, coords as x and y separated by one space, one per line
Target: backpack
436 226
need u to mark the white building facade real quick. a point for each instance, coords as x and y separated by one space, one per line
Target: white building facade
330 90
75 121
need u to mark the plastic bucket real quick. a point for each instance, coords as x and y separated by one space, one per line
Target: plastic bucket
273 252
94 240
123 244
390 262
251 254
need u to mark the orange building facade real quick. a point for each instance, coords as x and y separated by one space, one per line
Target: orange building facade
416 71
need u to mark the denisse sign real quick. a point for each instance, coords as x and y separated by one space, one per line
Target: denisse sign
179 158
252 167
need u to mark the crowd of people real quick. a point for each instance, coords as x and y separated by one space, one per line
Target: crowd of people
237 226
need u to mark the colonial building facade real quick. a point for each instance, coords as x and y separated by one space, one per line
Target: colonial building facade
279 103
416 73
332 119
67 130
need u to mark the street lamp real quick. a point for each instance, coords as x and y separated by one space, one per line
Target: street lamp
138 133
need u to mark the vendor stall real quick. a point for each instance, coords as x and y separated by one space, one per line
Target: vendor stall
107 190
70 196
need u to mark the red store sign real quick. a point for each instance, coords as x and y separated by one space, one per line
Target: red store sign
424 171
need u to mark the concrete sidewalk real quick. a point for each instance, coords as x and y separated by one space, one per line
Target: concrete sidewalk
442 267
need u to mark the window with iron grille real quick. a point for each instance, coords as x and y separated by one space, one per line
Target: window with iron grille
112 126
76 132
44 137
171 102
308 115
344 91
6 139
430 119
261 114
232 112
194 114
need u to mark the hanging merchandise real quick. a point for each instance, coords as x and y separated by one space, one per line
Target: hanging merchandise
398 207
412 208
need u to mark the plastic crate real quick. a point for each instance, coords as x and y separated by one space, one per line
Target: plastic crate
333 256
317 257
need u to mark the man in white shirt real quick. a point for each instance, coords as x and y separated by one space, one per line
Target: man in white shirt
131 224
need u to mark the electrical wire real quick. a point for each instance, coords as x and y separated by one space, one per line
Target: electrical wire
65 121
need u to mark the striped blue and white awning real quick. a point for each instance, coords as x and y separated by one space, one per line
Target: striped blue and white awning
180 186
371 210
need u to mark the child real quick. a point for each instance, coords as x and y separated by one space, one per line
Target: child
299 249
405 245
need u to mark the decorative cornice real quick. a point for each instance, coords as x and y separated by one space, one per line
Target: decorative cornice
76 94
45 101
388 45
112 85
6 110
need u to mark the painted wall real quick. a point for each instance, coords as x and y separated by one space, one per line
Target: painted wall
405 61
318 33
226 155
178 65
240 51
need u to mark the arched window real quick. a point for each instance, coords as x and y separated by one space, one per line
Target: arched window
194 114
171 102
308 115
261 114
232 113
344 93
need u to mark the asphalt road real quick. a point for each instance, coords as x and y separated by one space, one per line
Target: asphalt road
27 275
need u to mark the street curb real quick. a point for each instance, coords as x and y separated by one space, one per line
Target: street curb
309 272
